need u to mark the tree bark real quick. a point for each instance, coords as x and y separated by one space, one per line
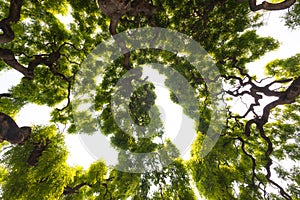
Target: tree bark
270 6
13 17
9 58
10 131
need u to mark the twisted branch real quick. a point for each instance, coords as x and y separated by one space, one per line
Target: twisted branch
270 6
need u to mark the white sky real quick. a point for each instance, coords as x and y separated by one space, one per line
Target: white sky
289 41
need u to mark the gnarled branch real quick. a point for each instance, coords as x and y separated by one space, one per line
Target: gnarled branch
287 97
270 6
9 58
13 17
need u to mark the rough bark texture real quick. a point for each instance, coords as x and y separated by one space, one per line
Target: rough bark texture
10 131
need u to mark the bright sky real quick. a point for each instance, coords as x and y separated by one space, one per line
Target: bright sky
289 41
171 115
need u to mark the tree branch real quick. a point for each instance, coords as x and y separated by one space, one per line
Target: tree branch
13 17
115 9
8 57
270 6
287 97
68 190
269 163
5 95
10 131
37 152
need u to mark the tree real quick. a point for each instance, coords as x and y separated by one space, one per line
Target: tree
248 158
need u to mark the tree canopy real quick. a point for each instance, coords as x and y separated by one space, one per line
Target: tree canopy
51 43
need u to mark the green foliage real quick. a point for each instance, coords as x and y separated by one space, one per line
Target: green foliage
43 89
292 19
57 51
282 68
11 106
142 100
45 181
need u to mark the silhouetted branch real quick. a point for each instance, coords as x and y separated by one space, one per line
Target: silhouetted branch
5 95
287 97
74 190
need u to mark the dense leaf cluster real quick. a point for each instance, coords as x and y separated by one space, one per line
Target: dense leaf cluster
257 154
